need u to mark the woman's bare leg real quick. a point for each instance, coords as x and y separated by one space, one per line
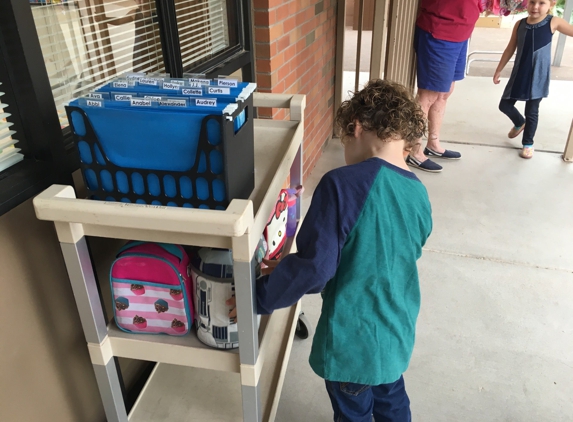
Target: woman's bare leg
433 105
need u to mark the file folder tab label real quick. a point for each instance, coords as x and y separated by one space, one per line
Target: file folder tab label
148 81
122 97
231 83
192 91
171 86
140 102
200 81
94 103
171 102
133 77
206 102
217 90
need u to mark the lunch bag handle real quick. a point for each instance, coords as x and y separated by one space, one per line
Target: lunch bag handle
167 247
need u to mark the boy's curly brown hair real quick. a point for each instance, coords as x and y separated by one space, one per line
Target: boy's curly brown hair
386 108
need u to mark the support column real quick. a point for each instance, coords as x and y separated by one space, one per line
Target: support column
562 37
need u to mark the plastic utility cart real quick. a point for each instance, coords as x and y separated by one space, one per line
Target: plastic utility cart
191 381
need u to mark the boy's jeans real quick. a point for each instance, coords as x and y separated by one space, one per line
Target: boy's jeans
357 402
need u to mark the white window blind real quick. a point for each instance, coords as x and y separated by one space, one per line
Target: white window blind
85 43
203 29
9 154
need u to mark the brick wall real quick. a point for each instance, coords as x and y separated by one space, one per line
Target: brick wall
295 46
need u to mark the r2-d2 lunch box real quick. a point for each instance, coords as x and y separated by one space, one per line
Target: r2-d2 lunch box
213 284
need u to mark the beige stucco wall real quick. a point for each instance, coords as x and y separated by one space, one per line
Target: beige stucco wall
45 369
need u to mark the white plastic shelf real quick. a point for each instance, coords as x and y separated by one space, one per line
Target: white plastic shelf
175 393
186 350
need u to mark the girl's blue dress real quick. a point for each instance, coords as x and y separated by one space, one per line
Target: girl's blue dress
532 68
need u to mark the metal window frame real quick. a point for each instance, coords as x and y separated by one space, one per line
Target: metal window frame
237 57
32 108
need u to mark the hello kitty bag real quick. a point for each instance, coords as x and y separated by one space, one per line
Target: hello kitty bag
275 230
151 289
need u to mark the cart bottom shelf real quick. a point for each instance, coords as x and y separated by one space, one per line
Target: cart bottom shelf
177 393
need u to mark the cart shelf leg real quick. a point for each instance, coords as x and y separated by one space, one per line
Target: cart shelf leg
84 286
83 281
109 385
246 302
251 403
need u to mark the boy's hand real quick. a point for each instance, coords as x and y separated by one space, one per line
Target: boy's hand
233 312
271 264
496 76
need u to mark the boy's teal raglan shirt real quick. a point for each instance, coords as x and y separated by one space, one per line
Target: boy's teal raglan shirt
360 241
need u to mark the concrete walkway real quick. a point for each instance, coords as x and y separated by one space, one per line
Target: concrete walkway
495 332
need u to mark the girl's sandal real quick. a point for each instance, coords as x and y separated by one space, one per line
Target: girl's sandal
526 152
515 131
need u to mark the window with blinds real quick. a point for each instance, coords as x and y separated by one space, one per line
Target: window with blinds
203 27
9 154
86 43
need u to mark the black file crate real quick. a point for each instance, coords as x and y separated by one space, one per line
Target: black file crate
222 168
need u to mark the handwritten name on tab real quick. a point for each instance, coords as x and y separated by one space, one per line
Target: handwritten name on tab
148 81
171 86
94 103
192 91
200 81
140 103
233 83
217 90
173 103
206 102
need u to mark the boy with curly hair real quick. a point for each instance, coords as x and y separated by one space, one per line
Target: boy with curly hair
358 245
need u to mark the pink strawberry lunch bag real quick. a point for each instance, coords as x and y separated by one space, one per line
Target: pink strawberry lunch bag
151 289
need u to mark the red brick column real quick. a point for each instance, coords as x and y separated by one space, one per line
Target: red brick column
295 46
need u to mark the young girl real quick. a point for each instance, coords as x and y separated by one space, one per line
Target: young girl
530 76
